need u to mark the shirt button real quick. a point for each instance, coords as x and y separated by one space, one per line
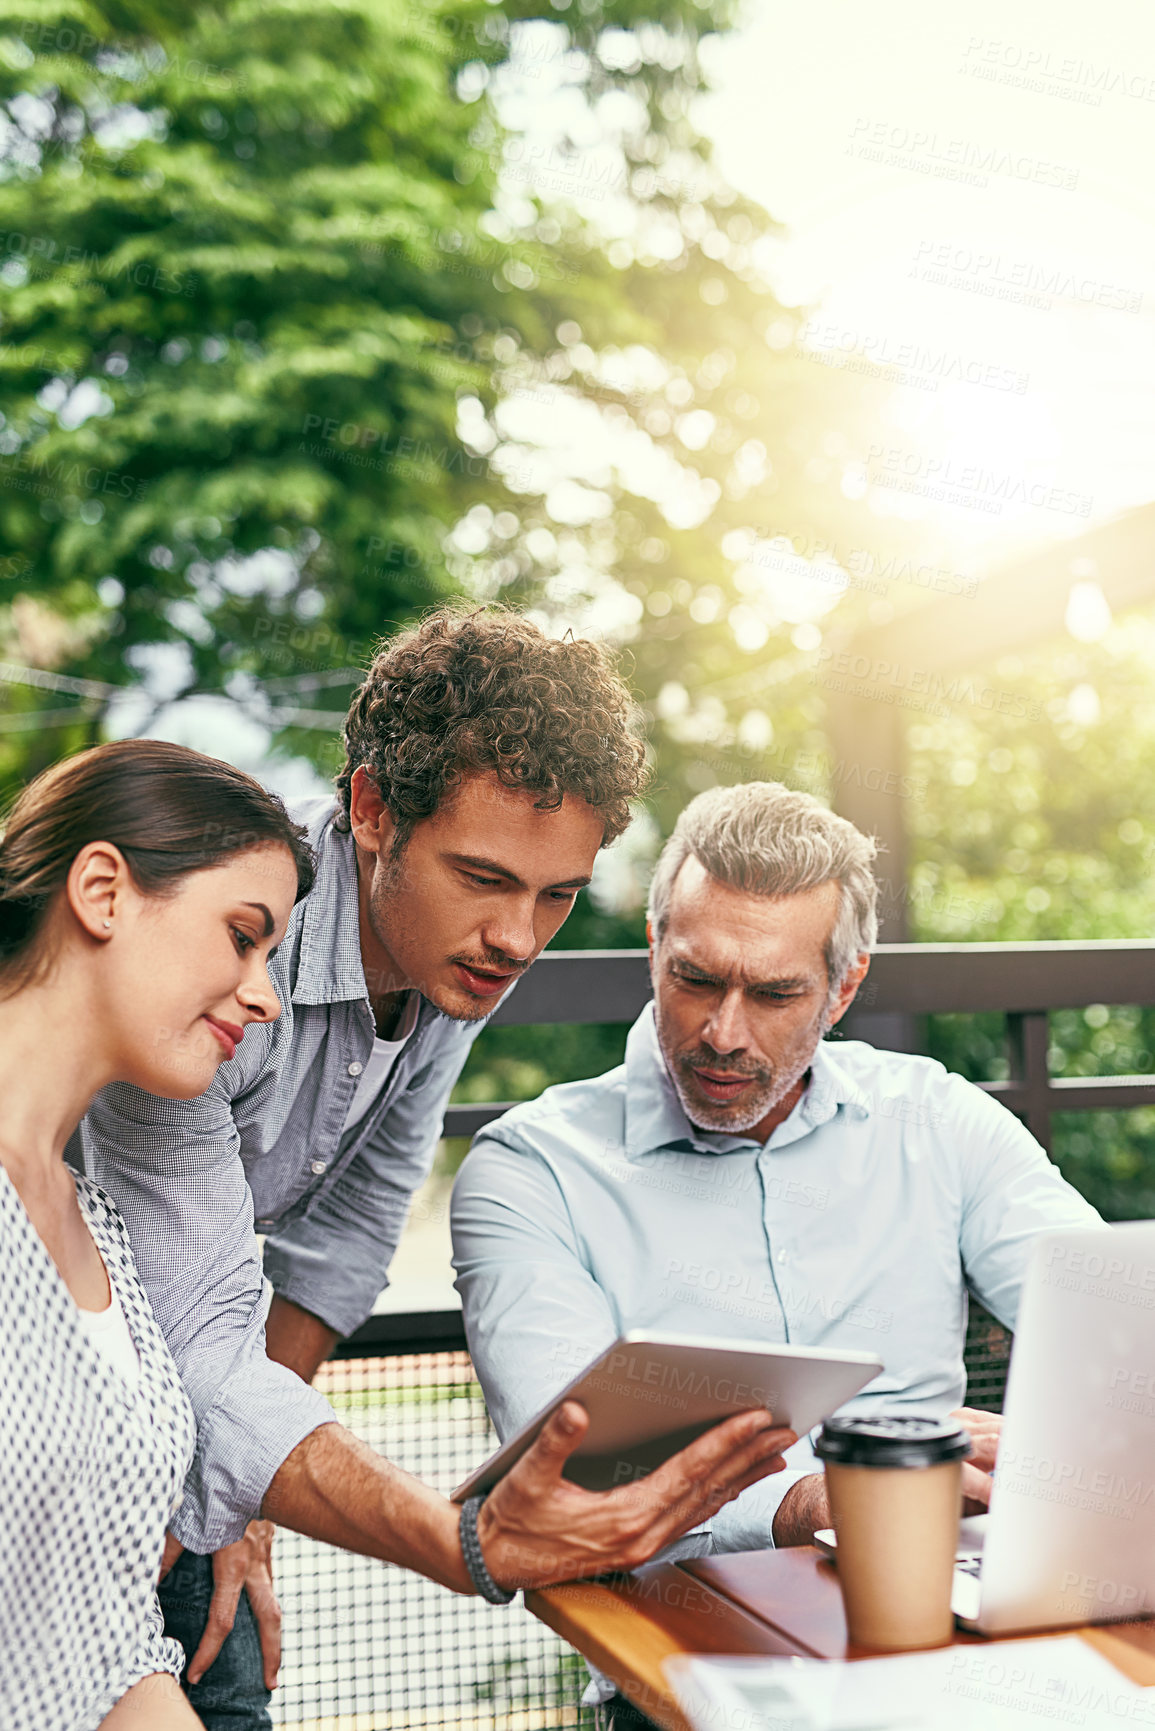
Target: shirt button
355 1068
319 1166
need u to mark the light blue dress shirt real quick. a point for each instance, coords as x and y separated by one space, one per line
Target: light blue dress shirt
892 1188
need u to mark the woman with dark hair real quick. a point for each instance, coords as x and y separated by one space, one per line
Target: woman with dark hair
142 887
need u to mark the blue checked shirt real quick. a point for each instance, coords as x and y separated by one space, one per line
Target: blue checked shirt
267 1143
891 1189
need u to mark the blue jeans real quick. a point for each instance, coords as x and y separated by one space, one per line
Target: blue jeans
231 1696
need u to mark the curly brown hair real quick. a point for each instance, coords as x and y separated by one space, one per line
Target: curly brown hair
481 689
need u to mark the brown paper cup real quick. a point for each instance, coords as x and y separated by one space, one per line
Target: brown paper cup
896 1513
897 1531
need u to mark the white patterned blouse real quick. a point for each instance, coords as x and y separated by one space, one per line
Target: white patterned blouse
90 1472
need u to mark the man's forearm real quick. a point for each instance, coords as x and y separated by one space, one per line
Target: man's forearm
537 1527
802 1512
335 1488
298 1339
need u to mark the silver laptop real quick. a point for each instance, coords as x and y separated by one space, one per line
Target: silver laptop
1070 1537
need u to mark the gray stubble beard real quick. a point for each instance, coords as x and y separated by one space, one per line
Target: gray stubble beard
722 1118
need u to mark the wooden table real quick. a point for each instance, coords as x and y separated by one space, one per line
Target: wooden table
764 1602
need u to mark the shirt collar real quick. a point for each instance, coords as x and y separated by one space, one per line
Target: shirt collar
655 1118
329 969
831 1086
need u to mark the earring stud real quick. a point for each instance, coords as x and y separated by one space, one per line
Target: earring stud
107 925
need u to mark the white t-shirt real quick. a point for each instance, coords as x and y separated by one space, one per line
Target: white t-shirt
109 1333
379 1065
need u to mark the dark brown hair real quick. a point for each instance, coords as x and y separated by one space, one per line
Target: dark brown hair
482 688
169 810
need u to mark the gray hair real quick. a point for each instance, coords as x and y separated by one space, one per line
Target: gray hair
763 838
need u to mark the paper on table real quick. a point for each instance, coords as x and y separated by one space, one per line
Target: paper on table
967 1688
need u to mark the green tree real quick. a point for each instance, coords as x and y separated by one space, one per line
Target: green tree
277 278
232 340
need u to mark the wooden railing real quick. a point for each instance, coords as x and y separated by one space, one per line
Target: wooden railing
1022 982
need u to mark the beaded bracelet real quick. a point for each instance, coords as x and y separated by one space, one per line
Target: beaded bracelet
474 1561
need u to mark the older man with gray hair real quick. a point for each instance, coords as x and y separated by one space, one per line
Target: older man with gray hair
741 1176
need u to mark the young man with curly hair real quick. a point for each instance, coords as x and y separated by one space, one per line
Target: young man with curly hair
486 764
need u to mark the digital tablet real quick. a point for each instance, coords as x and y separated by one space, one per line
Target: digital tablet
651 1394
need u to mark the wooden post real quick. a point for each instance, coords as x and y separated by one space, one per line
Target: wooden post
1028 1039
867 751
867 782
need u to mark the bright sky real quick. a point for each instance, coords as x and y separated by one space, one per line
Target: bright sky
977 181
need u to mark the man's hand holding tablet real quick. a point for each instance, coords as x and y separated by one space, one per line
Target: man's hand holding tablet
536 1527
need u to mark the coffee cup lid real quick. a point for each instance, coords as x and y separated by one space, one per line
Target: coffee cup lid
892 1440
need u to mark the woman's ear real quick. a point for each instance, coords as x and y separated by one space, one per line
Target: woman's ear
96 882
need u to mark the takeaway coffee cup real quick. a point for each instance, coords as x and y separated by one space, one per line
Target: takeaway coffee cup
895 1490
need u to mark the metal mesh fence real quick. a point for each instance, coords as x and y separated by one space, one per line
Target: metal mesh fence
374 1648
369 1647
988 1357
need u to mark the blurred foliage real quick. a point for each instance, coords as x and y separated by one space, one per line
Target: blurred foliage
519 1062
1109 1157
975 1046
1043 828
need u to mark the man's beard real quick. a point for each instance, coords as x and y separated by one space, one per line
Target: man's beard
771 1085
